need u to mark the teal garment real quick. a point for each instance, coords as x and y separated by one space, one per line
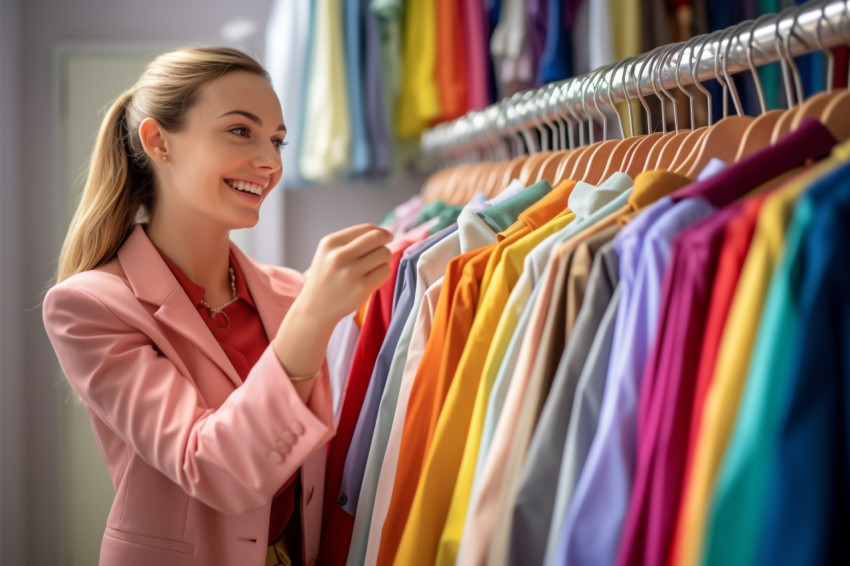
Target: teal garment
354 53
771 75
446 218
737 505
502 215
429 211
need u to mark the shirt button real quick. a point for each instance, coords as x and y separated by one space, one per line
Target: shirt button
275 456
342 500
297 427
288 437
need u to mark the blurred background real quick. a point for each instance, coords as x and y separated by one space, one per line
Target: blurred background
359 81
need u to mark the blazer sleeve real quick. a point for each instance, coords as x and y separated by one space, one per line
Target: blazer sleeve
232 458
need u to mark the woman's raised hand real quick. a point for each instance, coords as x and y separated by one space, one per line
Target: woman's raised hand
347 267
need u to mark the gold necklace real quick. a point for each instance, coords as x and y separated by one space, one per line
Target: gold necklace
219 311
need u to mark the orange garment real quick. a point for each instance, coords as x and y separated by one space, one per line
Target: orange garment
453 319
451 67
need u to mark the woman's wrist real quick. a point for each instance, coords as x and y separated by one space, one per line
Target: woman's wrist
301 344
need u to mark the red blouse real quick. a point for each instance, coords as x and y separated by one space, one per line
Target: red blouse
243 342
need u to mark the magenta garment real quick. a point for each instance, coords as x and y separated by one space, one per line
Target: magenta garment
664 404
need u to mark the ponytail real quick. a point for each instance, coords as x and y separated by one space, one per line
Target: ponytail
105 214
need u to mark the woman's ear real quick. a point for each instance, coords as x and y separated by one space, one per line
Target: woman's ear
153 140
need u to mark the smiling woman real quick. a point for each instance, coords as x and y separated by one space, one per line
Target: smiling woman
202 370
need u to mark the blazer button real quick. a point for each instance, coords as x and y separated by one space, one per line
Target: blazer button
343 499
275 456
288 437
283 446
308 495
297 427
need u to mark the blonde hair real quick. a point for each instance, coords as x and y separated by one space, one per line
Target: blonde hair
120 181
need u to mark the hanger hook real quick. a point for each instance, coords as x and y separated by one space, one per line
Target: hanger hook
665 61
749 51
790 72
569 105
830 58
653 83
629 62
585 81
601 73
687 46
643 61
702 40
617 67
735 35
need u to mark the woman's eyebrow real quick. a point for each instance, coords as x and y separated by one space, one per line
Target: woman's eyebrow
251 116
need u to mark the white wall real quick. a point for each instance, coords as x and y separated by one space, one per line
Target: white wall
12 465
33 397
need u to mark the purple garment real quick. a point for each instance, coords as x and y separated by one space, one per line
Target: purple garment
595 516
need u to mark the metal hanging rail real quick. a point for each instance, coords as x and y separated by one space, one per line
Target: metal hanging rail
815 26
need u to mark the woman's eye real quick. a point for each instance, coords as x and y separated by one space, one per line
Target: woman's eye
241 131
280 144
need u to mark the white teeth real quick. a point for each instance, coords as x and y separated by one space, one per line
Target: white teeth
246 187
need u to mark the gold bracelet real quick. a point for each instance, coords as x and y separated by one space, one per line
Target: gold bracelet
303 377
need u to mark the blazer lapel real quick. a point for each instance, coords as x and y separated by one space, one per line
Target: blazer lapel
153 283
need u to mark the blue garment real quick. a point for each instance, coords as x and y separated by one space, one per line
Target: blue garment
377 117
596 512
354 57
555 63
807 517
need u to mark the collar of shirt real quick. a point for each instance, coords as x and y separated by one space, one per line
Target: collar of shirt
196 292
649 187
711 168
600 196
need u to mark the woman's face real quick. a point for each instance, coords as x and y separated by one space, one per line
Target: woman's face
226 159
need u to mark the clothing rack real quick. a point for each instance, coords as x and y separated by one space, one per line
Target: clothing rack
815 26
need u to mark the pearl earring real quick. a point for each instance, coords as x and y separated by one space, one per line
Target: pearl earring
165 158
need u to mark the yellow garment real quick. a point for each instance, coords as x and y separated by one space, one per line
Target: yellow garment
477 357
733 356
326 144
418 102
627 43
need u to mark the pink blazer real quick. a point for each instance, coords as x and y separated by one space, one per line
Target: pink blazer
195 455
